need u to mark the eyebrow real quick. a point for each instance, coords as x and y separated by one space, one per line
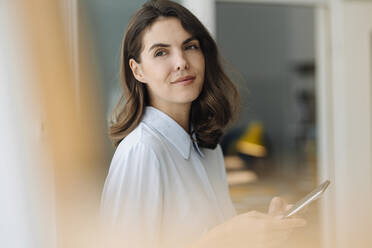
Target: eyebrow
167 45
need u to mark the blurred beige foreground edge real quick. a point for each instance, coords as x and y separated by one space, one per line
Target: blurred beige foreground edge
58 183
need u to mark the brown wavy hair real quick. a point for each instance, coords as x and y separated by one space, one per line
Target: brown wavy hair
218 102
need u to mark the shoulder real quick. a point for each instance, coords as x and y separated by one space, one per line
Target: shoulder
215 159
215 153
141 142
135 162
134 183
220 157
219 153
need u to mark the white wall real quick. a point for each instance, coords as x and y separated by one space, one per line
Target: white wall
205 11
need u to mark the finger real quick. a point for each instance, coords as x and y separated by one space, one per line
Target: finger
286 223
279 217
288 207
276 206
256 214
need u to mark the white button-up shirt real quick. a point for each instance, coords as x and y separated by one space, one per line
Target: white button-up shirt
162 189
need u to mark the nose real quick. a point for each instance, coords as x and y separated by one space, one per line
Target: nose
181 62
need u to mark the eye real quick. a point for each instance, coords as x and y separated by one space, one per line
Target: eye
160 53
192 47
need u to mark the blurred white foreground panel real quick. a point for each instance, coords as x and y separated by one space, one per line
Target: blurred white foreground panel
26 209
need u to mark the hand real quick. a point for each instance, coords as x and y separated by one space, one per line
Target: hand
278 207
253 230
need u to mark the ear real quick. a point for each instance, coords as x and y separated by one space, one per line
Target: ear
136 70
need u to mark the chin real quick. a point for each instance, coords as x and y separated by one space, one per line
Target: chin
188 98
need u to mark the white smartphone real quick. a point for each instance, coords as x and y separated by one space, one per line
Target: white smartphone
312 196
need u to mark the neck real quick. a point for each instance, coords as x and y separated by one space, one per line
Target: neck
178 112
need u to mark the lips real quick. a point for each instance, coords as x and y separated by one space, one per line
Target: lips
186 79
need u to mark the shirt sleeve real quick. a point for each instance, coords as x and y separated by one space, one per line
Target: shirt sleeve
132 196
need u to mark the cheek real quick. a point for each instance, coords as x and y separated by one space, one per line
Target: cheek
201 64
157 72
202 68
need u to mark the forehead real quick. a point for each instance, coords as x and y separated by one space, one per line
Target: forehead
166 30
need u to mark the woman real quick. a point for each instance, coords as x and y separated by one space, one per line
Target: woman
167 184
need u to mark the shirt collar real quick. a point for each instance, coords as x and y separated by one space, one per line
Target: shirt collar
171 130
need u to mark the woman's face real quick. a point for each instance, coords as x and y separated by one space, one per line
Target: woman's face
172 63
